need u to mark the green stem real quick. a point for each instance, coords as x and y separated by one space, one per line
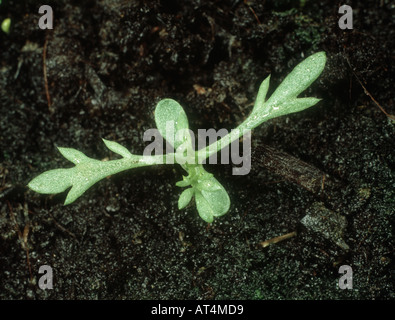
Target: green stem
250 123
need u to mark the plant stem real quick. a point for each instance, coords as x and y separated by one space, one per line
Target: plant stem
250 123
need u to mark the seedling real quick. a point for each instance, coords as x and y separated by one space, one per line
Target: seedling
6 25
211 198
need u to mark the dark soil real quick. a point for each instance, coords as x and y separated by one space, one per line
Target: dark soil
109 62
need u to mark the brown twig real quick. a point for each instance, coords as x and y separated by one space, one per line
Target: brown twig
323 182
63 228
266 243
323 186
292 169
46 76
368 94
252 11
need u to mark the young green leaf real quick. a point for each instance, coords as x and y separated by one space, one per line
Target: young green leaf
184 182
117 148
73 155
284 99
170 118
84 174
209 185
213 201
261 96
205 210
6 25
212 204
294 105
300 78
185 198
218 199
52 181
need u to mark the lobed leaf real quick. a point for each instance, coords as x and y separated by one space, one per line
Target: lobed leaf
83 178
300 78
52 181
284 99
84 174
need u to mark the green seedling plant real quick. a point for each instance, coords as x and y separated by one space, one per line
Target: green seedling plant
6 25
211 198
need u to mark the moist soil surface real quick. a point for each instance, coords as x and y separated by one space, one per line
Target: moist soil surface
99 74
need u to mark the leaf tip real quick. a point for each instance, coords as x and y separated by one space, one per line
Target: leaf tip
61 149
185 198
